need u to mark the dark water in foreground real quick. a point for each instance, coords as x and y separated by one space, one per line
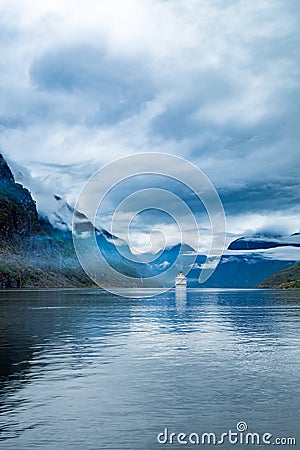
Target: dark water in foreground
83 369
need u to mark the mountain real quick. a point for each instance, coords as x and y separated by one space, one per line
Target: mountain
38 251
61 217
18 214
245 263
115 250
251 259
32 252
238 271
264 242
248 261
286 278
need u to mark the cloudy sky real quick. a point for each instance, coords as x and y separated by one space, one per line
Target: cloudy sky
215 82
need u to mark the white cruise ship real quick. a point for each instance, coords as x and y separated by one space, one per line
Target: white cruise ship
180 280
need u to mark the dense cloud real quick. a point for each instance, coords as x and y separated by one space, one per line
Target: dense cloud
114 88
214 82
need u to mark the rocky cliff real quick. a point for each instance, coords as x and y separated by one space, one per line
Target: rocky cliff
32 252
18 214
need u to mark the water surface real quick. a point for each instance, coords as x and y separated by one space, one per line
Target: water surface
84 369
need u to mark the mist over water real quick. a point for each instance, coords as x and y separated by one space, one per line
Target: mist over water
84 369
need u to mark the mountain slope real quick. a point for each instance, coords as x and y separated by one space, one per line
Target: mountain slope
286 278
18 214
34 253
38 250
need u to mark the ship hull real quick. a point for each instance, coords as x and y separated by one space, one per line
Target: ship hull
180 282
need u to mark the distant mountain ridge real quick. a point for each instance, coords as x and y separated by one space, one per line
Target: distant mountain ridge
264 242
36 250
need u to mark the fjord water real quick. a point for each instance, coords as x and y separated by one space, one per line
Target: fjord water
84 369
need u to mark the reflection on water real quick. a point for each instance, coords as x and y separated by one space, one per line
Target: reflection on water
180 296
83 369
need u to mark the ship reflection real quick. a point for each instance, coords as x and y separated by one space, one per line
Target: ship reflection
180 299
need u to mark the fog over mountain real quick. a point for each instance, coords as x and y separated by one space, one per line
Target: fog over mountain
36 249
213 82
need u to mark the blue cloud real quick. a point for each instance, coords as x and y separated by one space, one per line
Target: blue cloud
218 85
179 120
262 197
116 88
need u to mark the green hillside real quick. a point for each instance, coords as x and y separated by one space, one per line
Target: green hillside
286 278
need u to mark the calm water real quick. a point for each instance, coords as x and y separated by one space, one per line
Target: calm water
83 369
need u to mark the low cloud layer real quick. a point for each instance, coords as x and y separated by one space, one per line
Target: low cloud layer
214 82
